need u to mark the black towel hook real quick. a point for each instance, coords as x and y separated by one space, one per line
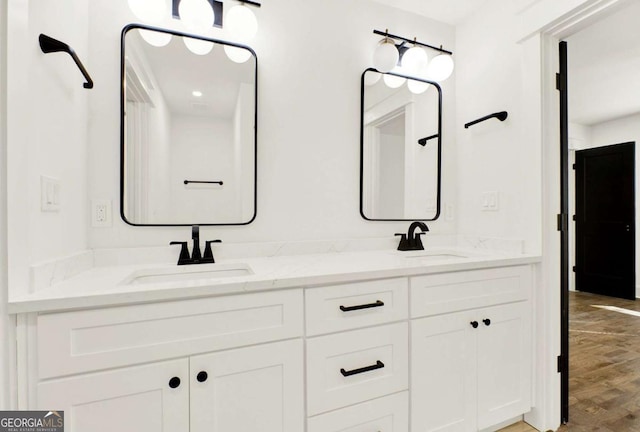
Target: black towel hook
49 45
502 116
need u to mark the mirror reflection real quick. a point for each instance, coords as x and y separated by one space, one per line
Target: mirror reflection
188 130
400 147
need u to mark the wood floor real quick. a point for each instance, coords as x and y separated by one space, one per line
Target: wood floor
604 366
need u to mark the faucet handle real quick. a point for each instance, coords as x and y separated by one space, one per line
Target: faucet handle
184 252
207 258
403 245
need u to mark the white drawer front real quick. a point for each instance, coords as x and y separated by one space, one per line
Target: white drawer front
355 305
449 292
75 342
386 414
375 361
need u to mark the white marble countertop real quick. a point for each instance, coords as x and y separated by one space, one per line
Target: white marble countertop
109 285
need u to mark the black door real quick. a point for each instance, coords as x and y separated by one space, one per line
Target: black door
605 220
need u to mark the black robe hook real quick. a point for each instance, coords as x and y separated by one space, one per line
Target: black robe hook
50 45
502 116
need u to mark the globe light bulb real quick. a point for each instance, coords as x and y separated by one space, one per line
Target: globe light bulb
385 56
371 78
154 38
241 23
417 87
151 11
198 46
414 60
440 68
393 81
197 15
237 55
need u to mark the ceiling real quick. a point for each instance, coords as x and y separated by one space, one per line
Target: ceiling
447 11
179 72
604 68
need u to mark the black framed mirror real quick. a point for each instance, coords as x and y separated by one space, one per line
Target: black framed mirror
188 113
400 147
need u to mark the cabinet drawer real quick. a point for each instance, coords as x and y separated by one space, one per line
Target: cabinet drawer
75 342
349 306
386 414
347 368
450 292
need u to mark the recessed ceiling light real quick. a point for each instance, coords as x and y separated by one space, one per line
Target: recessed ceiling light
196 93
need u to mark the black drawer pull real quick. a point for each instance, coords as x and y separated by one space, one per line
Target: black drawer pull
474 324
174 382
378 365
378 303
487 322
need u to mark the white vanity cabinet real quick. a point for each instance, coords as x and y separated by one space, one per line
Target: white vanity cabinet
230 386
244 390
471 369
434 352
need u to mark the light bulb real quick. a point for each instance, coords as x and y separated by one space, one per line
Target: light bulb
198 46
370 78
417 87
440 67
386 55
197 15
196 93
241 23
154 38
394 81
152 11
237 55
414 60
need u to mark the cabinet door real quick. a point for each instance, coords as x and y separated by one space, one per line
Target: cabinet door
135 399
443 376
251 389
504 363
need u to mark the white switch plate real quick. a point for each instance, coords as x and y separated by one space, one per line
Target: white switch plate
49 194
100 213
490 201
448 212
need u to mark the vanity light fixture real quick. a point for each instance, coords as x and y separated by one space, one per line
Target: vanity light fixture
197 15
242 23
412 61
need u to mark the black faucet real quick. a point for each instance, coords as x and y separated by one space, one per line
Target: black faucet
411 241
196 257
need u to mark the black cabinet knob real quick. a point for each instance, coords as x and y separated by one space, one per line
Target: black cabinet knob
174 382
202 376
487 322
474 324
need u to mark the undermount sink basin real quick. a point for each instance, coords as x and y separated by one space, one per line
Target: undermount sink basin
198 272
433 255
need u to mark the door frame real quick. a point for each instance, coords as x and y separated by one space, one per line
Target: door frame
543 24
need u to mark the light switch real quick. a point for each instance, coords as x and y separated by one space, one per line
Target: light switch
490 201
49 194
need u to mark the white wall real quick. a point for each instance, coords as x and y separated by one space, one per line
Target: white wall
310 58
5 322
200 150
493 155
47 133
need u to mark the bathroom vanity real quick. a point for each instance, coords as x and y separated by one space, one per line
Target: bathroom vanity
356 341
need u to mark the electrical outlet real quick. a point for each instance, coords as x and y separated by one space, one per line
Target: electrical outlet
100 213
49 194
